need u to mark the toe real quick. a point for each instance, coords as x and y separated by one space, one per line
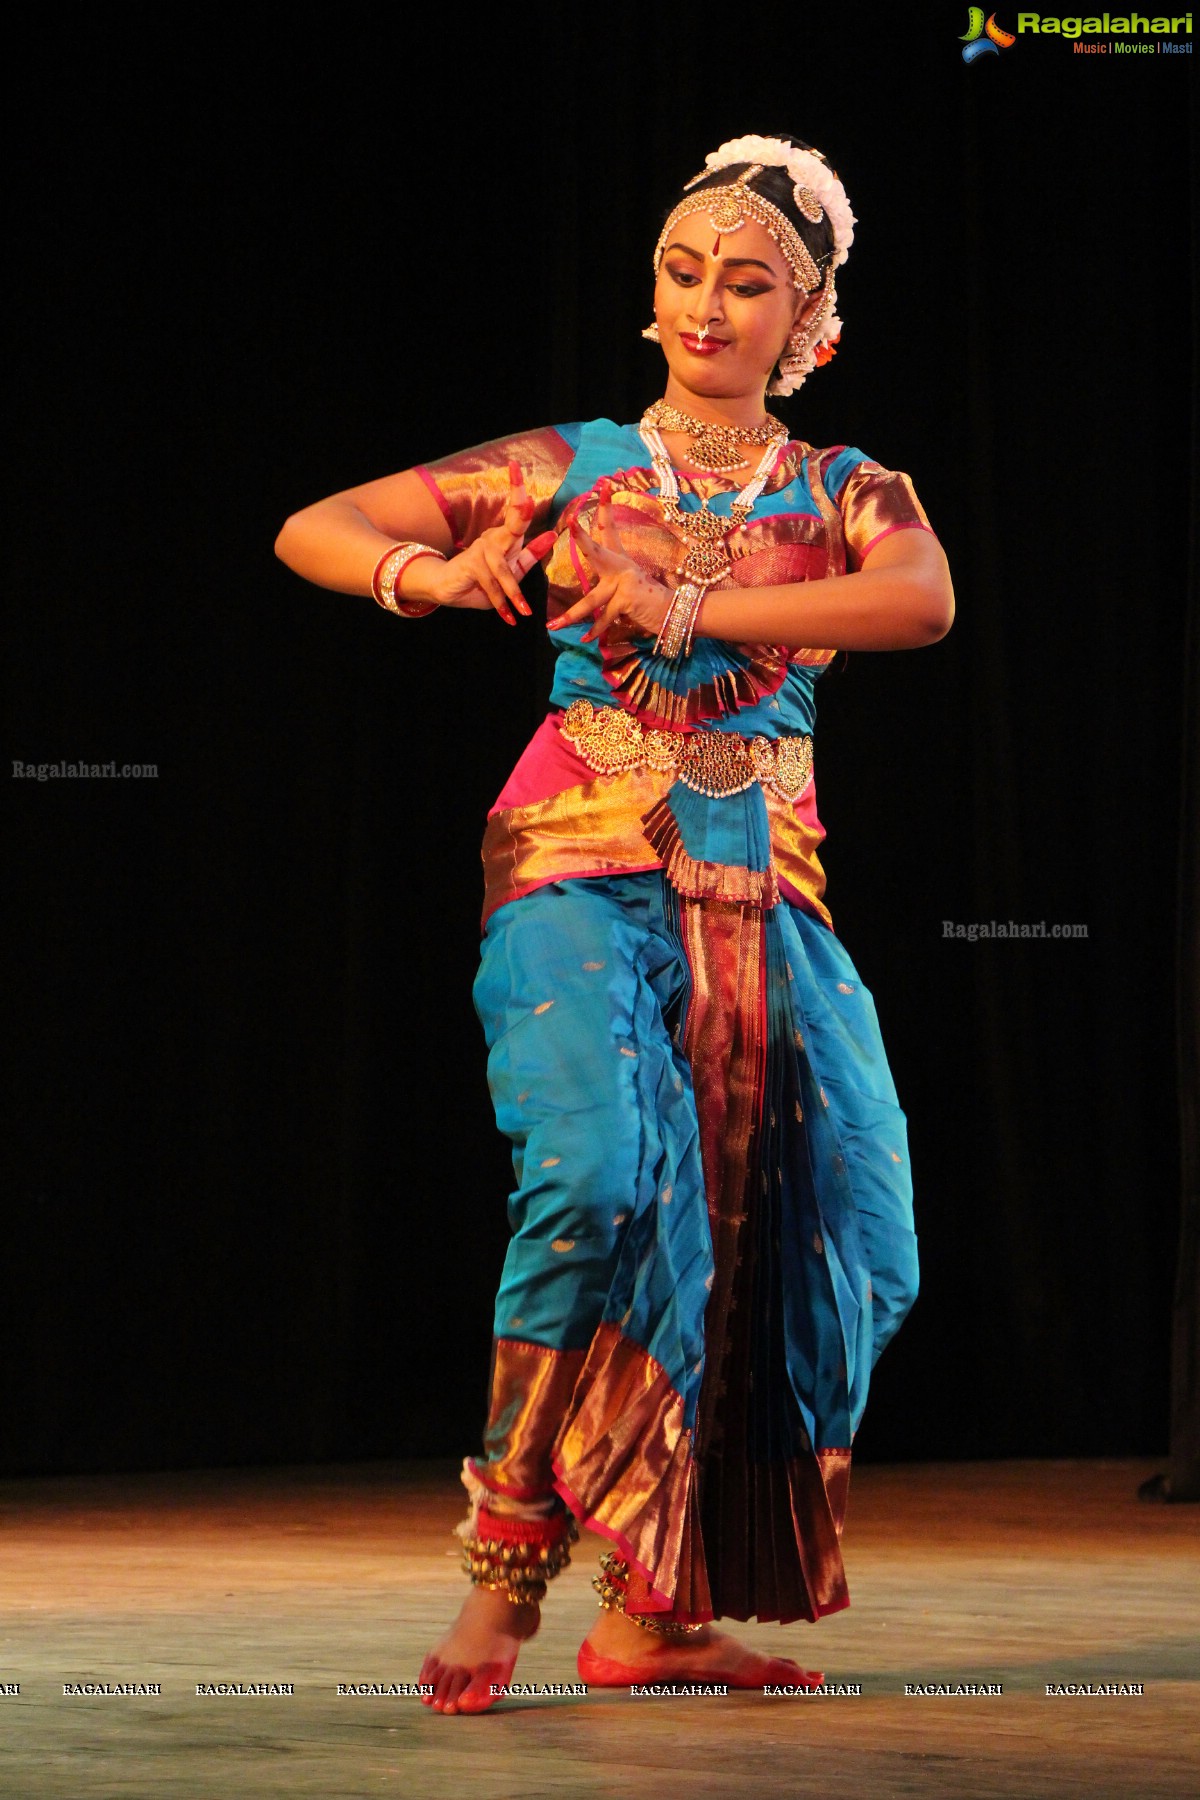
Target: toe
785 1672
431 1668
460 1680
445 1688
477 1696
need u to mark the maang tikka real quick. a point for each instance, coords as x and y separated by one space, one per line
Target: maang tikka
816 191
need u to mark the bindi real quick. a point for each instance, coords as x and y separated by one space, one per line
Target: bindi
716 249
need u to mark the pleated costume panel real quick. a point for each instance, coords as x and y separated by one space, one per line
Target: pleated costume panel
712 1213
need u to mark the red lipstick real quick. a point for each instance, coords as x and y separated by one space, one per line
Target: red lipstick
709 346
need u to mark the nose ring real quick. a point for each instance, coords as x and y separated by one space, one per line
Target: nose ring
703 333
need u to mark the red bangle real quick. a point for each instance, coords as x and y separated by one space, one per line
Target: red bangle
388 571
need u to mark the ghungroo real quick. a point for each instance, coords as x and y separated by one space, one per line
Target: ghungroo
612 1585
517 1557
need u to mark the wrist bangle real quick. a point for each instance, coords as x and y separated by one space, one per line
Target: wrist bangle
388 570
693 616
675 634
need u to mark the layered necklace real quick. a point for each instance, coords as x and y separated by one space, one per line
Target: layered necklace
706 557
715 447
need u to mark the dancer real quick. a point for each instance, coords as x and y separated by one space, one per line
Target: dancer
712 1215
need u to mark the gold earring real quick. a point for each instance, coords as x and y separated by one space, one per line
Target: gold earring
798 342
791 360
801 337
651 332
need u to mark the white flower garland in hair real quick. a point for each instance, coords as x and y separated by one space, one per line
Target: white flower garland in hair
806 170
812 172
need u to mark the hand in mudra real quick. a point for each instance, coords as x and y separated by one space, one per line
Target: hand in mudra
624 602
489 571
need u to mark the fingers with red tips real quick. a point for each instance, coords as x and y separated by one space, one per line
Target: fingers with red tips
503 585
540 544
577 562
604 525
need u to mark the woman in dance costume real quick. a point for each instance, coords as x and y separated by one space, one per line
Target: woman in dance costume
712 1218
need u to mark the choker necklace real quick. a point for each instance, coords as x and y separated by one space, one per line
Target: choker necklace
706 558
713 447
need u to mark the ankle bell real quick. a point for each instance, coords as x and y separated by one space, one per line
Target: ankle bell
612 1585
517 1557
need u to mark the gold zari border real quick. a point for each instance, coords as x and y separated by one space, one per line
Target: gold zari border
716 763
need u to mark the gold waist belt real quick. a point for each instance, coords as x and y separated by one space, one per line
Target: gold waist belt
716 763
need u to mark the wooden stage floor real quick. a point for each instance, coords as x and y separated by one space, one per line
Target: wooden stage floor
1023 1574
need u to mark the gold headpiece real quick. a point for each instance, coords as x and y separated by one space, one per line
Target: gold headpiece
729 207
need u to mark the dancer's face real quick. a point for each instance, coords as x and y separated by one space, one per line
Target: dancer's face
737 285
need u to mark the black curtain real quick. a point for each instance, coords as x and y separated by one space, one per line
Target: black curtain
255 1196
1181 1479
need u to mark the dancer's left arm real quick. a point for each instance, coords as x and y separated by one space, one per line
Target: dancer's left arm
901 598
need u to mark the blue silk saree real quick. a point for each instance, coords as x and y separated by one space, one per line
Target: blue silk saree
712 1228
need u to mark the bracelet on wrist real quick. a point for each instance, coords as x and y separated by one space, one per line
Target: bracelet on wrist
674 638
692 618
388 571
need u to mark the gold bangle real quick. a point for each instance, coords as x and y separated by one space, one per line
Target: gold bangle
693 616
675 634
667 641
388 570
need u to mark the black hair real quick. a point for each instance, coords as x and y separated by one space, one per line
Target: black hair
775 185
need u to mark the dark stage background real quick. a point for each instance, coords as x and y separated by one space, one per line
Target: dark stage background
256 1203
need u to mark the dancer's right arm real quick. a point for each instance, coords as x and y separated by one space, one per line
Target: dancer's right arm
337 543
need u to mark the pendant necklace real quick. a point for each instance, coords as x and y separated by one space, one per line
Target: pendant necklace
715 447
706 554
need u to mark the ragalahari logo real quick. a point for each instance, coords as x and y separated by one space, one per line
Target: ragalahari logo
983 39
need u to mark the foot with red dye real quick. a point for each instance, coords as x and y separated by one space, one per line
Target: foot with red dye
478 1652
617 1653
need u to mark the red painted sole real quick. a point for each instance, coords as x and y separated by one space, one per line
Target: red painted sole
779 1671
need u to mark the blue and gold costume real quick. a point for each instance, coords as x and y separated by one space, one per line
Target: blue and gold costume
712 1218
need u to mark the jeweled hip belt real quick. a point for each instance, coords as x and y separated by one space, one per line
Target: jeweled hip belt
716 763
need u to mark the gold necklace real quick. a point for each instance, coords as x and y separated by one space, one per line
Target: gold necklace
706 555
714 447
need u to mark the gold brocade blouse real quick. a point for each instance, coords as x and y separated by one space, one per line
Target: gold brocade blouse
602 789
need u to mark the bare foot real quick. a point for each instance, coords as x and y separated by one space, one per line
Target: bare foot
706 1655
479 1651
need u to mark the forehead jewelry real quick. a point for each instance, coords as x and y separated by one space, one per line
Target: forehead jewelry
817 194
729 207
